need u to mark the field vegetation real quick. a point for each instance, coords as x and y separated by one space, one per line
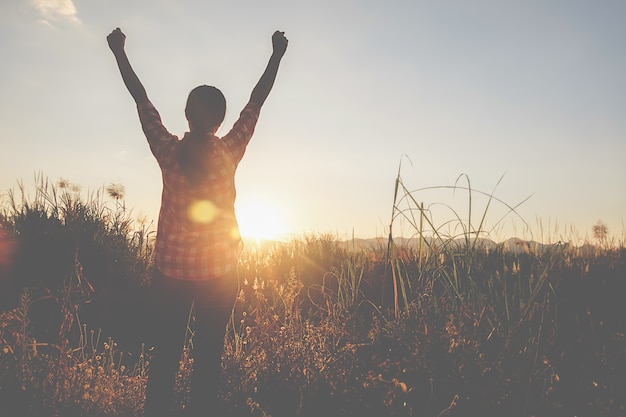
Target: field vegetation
437 324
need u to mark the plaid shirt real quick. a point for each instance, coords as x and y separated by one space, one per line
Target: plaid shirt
197 234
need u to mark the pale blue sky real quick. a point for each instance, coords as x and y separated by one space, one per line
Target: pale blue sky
533 89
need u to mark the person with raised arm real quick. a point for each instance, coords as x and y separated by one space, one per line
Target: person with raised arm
197 243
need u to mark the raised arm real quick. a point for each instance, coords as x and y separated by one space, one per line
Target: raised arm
116 40
266 82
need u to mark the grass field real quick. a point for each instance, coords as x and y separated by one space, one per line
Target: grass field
439 324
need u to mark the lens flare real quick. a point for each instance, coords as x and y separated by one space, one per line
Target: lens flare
234 233
202 211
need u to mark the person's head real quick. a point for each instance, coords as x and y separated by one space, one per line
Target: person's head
205 109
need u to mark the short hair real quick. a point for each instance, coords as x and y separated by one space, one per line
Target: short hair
206 107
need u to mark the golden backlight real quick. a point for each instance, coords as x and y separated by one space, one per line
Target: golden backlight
260 220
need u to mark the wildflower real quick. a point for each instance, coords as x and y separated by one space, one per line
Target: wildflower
116 191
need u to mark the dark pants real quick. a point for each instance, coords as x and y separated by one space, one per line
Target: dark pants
213 303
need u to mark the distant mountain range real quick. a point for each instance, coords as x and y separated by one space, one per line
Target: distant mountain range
513 244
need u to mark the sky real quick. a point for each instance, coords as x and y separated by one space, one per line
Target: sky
521 100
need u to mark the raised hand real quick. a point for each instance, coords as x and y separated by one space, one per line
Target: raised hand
116 40
279 43
262 89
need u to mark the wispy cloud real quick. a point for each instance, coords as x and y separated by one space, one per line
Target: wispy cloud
56 9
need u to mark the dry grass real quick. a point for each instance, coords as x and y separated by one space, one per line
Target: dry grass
436 326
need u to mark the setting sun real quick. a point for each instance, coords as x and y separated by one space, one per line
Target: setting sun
260 220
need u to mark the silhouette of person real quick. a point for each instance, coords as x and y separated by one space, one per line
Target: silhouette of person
197 244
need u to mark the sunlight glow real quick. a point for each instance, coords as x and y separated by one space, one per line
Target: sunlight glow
260 220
